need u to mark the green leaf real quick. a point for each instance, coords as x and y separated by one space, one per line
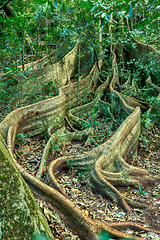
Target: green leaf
63 7
144 193
99 13
100 3
93 8
46 7
55 4
140 189
7 68
103 15
150 5
52 8
39 237
134 190
104 236
130 11
86 4
126 239
40 1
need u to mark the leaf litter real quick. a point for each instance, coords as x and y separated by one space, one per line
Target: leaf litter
98 207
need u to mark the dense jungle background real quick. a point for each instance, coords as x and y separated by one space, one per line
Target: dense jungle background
79 119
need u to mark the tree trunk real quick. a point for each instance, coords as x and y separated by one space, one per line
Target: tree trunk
21 217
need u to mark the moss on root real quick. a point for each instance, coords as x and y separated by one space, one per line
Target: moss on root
21 216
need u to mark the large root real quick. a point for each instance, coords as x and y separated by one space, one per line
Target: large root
42 79
104 164
84 226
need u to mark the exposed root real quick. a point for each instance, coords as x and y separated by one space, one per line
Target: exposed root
132 226
106 174
104 164
70 125
59 138
84 226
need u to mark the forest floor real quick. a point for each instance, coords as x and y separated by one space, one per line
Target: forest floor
28 152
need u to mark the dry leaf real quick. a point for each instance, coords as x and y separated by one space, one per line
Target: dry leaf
108 218
86 212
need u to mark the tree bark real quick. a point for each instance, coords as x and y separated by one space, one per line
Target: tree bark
20 215
104 164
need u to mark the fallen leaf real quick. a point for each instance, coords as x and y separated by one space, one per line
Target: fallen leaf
108 218
86 212
93 197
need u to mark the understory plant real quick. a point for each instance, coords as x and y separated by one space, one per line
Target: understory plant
140 191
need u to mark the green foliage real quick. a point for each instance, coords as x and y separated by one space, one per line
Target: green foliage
144 140
55 146
3 92
20 138
39 237
81 175
107 236
70 163
140 191
127 238
104 236
145 120
51 88
124 179
92 119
